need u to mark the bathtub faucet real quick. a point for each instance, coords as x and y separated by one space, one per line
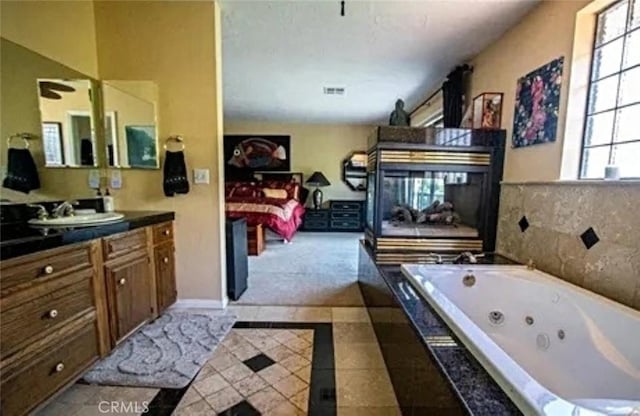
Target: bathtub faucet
467 257
437 256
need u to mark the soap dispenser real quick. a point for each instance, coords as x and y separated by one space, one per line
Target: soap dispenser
107 201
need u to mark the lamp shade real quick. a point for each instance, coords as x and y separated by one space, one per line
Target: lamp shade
318 179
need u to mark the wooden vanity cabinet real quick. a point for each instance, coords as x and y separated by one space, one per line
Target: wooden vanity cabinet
62 309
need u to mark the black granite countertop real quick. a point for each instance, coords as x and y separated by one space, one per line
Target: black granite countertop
476 389
18 239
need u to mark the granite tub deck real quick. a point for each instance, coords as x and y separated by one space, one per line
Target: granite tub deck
431 371
19 238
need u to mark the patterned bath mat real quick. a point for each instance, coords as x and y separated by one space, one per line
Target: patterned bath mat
166 353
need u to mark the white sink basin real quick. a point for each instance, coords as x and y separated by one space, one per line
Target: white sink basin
79 220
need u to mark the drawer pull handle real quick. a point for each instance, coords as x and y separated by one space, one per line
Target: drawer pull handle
166 232
165 260
53 313
48 269
59 367
122 281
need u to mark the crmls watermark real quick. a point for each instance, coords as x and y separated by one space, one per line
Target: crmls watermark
117 407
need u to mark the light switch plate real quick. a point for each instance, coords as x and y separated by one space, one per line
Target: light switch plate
94 178
201 176
116 179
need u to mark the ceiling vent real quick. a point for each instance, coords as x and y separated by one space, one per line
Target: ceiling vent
333 90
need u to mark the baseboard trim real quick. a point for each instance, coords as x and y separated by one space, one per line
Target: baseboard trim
201 303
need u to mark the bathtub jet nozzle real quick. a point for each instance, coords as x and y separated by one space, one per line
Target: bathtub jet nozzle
469 280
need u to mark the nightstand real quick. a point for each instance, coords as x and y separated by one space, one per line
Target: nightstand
316 220
346 215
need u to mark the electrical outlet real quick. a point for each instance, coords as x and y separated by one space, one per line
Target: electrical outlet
201 176
116 179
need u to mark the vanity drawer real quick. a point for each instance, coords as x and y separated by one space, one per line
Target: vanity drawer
345 224
21 272
316 215
124 243
345 206
54 368
340 215
37 311
163 232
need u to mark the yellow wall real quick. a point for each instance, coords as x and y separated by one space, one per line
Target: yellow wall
315 147
176 45
60 30
544 34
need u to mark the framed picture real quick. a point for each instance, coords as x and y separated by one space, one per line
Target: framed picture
246 154
142 151
535 117
487 110
52 143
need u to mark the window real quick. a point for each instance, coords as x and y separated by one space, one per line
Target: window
611 133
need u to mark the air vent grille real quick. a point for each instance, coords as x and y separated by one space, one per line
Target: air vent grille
333 90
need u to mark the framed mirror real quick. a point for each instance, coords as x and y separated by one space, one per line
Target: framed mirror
131 137
66 113
354 171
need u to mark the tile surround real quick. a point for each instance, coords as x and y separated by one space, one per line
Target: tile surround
558 214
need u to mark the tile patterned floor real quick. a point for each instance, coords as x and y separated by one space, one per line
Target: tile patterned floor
276 361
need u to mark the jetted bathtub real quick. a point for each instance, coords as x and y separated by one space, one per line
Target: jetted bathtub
554 348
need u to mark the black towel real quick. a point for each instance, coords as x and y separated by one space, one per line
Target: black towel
22 175
175 174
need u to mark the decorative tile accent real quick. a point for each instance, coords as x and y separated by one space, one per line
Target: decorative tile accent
259 362
243 408
523 223
589 238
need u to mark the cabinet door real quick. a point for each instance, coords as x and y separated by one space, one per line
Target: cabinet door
130 287
165 276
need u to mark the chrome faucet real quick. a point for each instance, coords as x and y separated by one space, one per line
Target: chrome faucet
467 257
42 211
437 256
65 209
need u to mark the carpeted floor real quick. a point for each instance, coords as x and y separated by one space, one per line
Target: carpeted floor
315 269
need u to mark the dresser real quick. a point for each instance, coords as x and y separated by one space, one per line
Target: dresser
341 215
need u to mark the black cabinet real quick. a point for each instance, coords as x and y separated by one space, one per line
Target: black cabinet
316 220
237 260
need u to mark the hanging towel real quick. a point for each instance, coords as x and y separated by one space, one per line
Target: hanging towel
22 175
175 174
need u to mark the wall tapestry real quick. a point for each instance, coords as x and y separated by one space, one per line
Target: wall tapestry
141 146
535 118
244 154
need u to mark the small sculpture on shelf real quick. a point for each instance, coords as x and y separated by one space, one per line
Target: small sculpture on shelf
399 117
436 213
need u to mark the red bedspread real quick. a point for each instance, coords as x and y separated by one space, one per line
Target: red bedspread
280 215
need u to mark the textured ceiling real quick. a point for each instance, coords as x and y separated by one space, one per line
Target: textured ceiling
278 55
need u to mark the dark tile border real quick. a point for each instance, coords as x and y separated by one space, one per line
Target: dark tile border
322 389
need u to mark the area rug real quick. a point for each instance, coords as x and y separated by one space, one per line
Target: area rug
166 353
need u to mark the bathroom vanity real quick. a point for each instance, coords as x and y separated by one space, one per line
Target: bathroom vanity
68 296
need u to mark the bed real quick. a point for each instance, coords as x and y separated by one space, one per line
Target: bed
275 202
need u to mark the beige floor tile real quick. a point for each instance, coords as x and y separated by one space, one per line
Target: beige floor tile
304 373
362 388
307 353
283 335
205 372
236 373
369 411
307 334
297 344
344 332
199 408
285 409
244 313
294 362
137 394
222 359
290 386
301 400
313 314
262 341
350 315
105 393
57 408
245 352
77 394
190 397
279 353
210 385
273 373
276 313
250 385
224 399
358 356
234 341
266 399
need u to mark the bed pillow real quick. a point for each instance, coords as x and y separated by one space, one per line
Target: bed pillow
292 188
275 193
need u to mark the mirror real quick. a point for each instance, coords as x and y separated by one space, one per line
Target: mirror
130 124
22 69
67 122
354 171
